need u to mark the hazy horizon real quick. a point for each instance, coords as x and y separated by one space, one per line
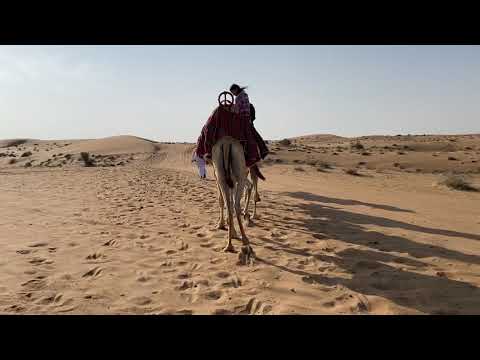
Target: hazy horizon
166 93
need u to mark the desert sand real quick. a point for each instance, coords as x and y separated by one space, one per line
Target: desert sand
346 226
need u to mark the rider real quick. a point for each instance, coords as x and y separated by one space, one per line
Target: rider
242 107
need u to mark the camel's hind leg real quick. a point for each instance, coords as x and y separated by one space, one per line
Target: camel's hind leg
225 190
221 204
247 251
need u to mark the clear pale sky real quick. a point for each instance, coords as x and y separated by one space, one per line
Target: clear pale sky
166 93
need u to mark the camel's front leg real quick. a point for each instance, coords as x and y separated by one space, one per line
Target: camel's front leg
257 196
248 195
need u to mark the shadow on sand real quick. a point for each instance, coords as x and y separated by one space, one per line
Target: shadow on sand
435 293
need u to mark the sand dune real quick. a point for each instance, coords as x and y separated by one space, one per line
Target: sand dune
136 232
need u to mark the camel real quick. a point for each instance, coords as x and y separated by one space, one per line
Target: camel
230 171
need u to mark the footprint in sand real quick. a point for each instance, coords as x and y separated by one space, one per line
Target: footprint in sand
235 282
195 266
184 276
24 252
184 312
40 244
216 261
35 284
222 312
329 304
254 307
95 256
183 246
185 286
141 300
223 274
37 261
203 282
93 272
213 295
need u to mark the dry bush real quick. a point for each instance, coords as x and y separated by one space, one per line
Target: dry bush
12 161
451 158
352 172
85 157
458 183
285 142
27 153
15 142
357 146
299 168
324 165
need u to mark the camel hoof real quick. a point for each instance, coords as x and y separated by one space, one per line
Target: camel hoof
229 248
246 256
221 227
257 198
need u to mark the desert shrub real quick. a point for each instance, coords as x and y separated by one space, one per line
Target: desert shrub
12 161
285 142
352 172
358 146
299 168
27 153
451 158
458 183
324 165
15 142
85 157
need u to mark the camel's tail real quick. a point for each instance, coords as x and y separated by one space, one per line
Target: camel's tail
257 171
227 164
